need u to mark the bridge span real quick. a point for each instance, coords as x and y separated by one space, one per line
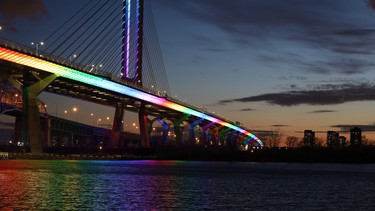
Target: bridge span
17 64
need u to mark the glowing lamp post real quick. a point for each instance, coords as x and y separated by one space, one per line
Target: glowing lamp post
75 110
74 57
37 46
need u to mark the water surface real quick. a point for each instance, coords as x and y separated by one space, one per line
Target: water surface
177 185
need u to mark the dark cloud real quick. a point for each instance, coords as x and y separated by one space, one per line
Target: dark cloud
351 51
355 32
258 17
364 128
371 4
206 41
298 78
215 49
11 10
247 109
333 26
340 65
324 95
280 125
323 111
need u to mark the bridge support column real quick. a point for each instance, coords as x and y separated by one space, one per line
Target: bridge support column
165 131
240 139
143 127
31 117
213 132
203 129
117 126
216 135
177 129
231 137
17 128
222 135
191 130
46 129
247 140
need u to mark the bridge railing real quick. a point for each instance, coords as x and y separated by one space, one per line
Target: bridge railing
32 52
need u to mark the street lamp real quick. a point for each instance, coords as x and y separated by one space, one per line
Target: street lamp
37 46
74 57
75 110
98 68
92 68
98 121
92 118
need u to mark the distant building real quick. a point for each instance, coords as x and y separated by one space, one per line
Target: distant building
309 139
342 142
332 139
355 137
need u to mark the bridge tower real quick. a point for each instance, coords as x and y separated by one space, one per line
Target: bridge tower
132 32
132 49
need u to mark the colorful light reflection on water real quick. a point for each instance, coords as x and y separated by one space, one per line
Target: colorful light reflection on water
177 185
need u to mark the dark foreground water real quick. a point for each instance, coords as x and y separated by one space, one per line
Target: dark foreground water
176 185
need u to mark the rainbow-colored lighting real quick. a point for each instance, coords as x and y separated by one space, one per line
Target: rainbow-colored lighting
76 75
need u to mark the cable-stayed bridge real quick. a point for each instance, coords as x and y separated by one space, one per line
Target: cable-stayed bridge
108 53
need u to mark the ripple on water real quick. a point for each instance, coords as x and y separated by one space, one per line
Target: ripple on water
150 185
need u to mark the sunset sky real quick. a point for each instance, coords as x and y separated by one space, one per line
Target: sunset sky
290 65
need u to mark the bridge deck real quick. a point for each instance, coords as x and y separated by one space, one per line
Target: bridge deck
99 89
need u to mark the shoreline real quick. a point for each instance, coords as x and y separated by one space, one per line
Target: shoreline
280 155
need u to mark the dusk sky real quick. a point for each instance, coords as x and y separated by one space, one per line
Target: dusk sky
269 64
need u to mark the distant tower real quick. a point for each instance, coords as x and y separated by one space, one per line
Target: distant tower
355 137
332 139
309 139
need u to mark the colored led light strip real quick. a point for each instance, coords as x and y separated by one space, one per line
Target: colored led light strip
66 72
127 34
128 38
138 46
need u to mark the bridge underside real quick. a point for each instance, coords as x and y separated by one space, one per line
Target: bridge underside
66 87
77 90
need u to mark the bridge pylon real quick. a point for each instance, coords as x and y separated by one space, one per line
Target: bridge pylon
143 127
203 132
133 14
31 124
117 126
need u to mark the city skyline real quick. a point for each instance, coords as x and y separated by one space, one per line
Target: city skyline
269 65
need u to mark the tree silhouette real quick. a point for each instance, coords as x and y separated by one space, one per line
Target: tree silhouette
273 138
291 141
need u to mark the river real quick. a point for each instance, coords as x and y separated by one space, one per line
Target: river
184 185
